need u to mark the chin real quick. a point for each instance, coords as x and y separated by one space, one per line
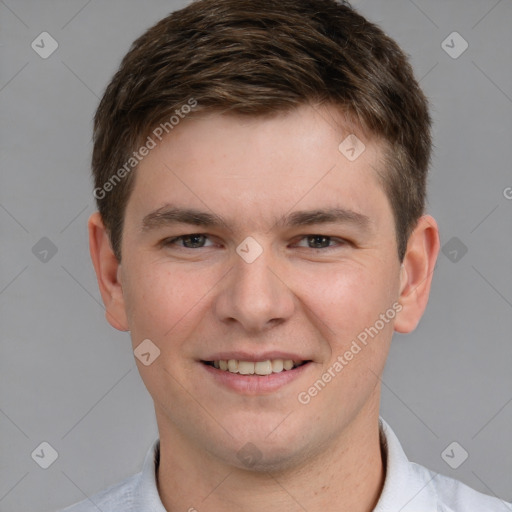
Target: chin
264 451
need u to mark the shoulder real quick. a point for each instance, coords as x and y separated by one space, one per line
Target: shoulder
134 494
410 487
454 496
113 499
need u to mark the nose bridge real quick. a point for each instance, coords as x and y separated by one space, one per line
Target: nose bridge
253 294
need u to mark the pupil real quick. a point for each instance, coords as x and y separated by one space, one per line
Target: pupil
194 240
319 241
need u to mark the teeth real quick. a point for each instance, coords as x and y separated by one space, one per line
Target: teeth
245 368
256 368
287 364
277 365
263 368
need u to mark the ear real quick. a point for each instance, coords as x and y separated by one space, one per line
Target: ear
416 273
108 273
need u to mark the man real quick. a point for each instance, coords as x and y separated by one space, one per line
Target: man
260 172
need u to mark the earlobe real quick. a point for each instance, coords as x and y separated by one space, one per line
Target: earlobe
416 273
108 270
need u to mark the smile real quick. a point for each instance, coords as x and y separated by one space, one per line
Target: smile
261 377
266 367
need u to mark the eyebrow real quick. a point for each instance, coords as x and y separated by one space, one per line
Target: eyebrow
168 215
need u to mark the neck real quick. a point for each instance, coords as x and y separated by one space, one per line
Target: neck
346 475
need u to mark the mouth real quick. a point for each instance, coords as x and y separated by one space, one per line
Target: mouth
254 374
257 368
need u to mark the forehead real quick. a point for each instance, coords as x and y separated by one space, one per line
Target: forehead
260 168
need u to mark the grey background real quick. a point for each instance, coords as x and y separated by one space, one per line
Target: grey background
69 379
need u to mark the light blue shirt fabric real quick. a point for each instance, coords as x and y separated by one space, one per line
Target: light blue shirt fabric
408 487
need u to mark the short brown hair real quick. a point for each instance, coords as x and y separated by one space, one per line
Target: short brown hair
259 57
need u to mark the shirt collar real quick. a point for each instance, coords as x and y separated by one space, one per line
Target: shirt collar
145 493
405 488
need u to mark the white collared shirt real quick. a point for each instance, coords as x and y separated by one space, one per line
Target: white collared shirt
408 487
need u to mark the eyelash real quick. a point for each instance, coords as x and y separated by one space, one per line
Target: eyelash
340 241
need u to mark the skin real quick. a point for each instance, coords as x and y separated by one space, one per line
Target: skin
295 297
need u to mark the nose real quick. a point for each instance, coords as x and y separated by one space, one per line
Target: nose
255 295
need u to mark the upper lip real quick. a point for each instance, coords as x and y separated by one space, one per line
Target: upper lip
254 357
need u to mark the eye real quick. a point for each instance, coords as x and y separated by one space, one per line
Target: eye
193 241
199 241
320 242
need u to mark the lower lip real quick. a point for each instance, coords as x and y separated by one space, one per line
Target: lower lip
255 384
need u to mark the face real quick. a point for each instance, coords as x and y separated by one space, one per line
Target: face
257 240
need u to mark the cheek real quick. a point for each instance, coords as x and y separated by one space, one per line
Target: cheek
347 303
161 302
347 299
347 306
